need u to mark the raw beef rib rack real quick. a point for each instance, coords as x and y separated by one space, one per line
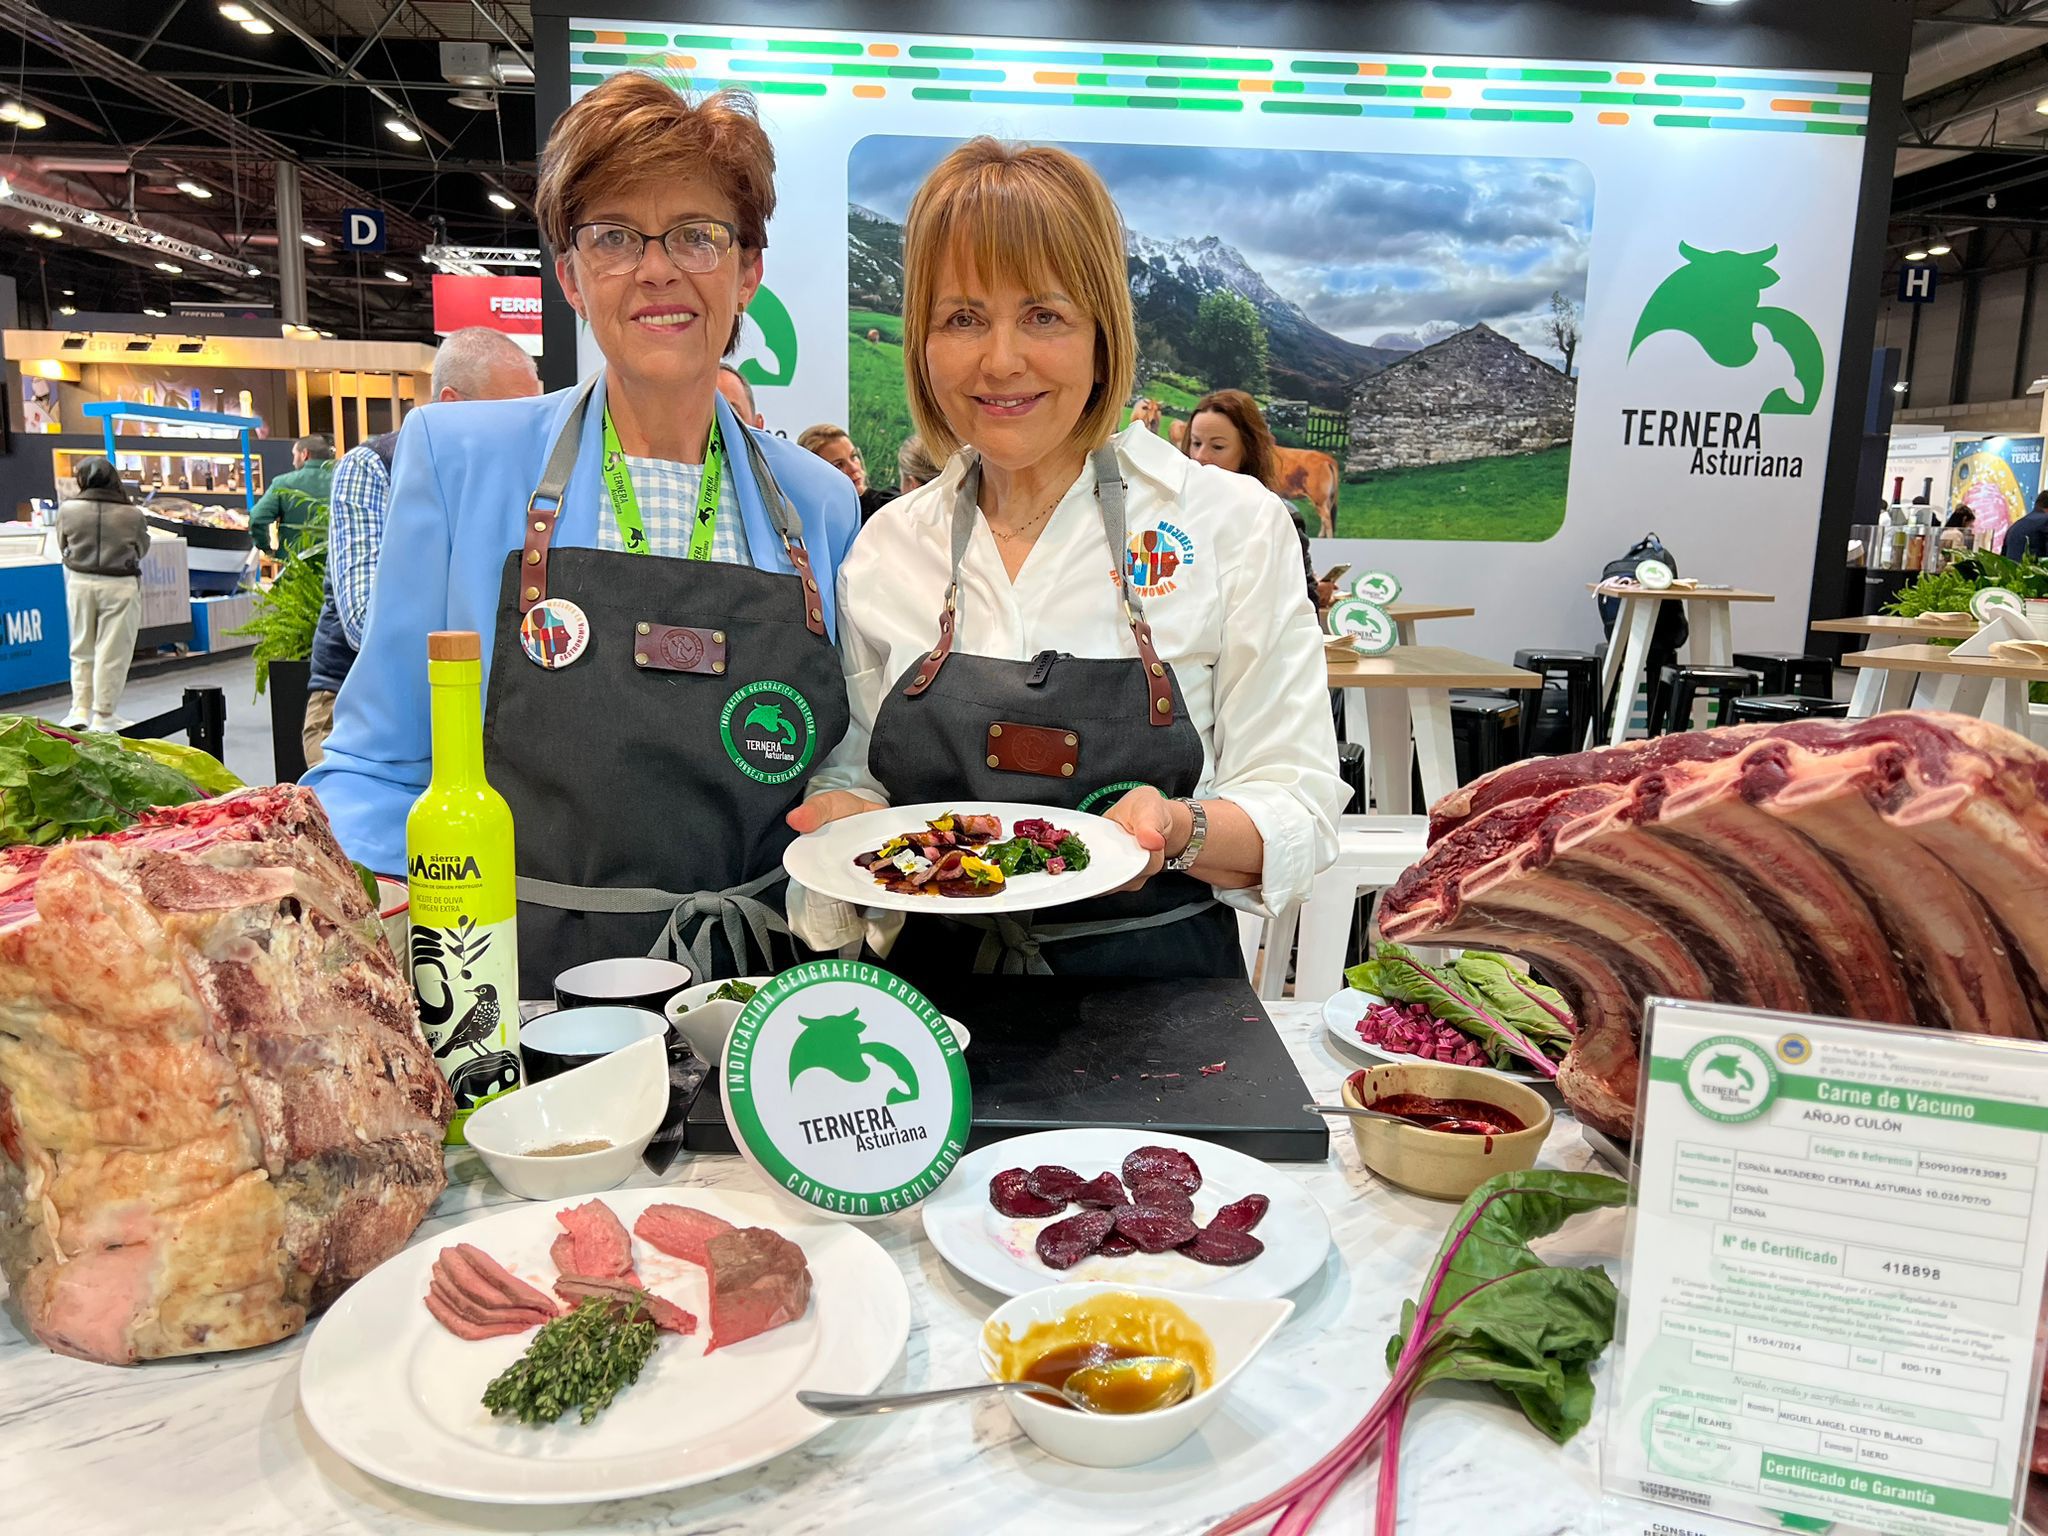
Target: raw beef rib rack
1893 869
216 1108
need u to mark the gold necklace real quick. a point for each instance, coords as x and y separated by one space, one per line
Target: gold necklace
1018 533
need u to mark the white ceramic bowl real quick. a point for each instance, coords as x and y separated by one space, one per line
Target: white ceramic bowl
708 1025
1238 1329
619 1098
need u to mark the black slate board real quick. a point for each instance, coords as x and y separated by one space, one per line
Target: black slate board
1050 1053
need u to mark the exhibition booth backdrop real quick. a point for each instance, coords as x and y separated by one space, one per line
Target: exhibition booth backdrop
1508 312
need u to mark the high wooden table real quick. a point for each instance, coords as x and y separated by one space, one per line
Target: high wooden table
1406 691
1890 626
1935 677
1711 642
1407 615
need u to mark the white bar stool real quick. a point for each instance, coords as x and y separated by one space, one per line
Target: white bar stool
1372 853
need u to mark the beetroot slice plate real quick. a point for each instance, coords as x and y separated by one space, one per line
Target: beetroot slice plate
1066 1243
1153 1228
1241 1215
1105 1190
1151 1165
1009 1193
1170 1197
1049 1181
1117 1246
1222 1246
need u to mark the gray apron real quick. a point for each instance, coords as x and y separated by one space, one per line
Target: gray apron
1068 733
649 779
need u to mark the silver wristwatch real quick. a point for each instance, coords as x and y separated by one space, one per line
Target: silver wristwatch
1184 861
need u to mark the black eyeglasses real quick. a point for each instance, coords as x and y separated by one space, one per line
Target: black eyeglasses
695 245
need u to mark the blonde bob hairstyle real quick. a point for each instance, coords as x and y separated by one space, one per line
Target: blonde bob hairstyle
1035 216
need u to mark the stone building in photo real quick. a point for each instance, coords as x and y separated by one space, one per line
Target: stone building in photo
1475 395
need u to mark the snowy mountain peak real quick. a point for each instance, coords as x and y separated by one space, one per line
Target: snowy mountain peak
1208 263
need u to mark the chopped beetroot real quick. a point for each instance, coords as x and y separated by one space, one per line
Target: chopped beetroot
1064 1244
1010 1193
1214 1067
1241 1215
1049 1181
1056 865
1167 1196
1222 1245
1153 1228
1104 1189
1151 1165
1117 1246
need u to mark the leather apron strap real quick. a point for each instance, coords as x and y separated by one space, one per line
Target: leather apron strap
1110 488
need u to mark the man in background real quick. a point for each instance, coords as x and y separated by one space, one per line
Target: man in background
2028 536
739 394
476 363
312 475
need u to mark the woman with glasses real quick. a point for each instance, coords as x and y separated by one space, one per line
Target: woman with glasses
653 580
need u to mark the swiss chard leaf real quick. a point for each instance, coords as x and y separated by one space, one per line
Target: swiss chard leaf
1536 1010
1399 976
54 785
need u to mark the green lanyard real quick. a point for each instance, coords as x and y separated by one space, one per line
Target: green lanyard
626 506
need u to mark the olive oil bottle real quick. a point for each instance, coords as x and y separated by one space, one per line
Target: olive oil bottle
459 872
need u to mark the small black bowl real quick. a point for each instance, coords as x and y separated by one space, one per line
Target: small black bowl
571 1037
631 981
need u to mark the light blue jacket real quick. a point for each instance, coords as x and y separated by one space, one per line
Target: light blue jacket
459 488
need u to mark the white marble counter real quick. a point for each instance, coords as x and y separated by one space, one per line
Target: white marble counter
218 1445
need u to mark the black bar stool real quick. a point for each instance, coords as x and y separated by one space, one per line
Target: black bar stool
1552 724
1811 677
1773 707
1683 686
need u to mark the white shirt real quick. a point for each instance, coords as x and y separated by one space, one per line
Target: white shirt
1230 616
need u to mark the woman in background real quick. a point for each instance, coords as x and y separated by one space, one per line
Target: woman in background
1229 431
102 538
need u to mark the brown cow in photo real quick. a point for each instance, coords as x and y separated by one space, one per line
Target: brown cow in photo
1146 411
874 335
1311 475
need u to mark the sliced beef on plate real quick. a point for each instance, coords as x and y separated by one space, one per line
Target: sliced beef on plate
664 1314
1893 869
594 1243
759 1281
216 1107
681 1230
475 1297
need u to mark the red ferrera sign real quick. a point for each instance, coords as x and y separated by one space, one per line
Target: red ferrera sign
509 304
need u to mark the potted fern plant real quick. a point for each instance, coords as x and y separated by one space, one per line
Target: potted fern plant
286 614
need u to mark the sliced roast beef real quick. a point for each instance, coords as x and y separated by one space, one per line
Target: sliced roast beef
594 1243
681 1230
759 1281
661 1312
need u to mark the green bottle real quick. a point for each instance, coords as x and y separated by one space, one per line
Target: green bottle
464 904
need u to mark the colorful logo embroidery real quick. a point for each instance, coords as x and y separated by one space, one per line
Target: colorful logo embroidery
1155 556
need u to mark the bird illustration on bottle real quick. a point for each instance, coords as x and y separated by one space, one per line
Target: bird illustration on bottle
476 1026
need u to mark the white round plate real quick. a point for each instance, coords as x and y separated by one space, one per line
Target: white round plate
822 861
1343 1010
398 1395
1000 1251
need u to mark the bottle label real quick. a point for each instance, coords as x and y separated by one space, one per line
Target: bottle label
465 974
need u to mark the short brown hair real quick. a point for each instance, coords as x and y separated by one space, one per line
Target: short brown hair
1243 413
1041 218
811 439
635 128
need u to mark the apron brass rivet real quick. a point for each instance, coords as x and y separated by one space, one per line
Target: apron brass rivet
1067 769
1073 741
718 636
718 666
533 557
640 629
994 761
1158 670
995 730
811 585
639 658
532 594
1164 706
540 527
817 614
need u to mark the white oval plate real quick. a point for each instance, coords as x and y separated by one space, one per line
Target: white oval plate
823 860
1343 1010
1000 1251
399 1396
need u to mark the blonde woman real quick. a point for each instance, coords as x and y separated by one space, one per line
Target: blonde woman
1078 584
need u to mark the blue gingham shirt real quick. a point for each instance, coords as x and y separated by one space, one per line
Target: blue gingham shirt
355 533
667 493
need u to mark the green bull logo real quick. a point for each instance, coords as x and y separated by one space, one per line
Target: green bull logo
1716 298
769 731
833 1044
769 720
767 348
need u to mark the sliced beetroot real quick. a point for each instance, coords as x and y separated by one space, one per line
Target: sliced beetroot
1010 1193
1153 1165
1117 1246
1241 1215
1154 1228
1066 1243
1049 1181
1167 1196
1223 1245
1105 1190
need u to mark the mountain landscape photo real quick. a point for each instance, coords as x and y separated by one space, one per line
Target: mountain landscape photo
1331 268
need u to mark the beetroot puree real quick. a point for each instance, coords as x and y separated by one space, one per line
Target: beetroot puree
1467 1117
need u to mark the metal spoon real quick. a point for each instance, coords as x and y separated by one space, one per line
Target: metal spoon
1093 1390
1424 1120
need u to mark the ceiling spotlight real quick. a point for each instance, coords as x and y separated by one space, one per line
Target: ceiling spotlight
171 267
1990 201
500 200
256 28
314 241
47 231
193 189
1916 255
70 293
155 313
67 309
327 335
1939 248
235 12
403 129
21 116
395 275
255 271
1899 388
31 119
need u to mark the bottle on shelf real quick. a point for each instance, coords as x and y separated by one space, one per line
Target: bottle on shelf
464 949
